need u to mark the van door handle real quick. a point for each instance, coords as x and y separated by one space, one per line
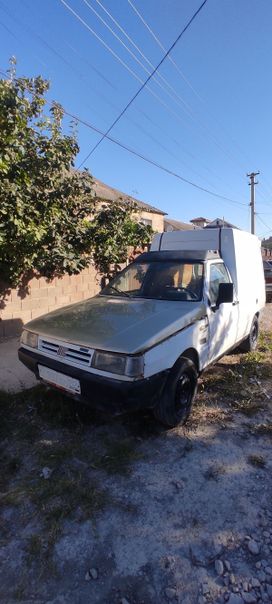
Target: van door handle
235 303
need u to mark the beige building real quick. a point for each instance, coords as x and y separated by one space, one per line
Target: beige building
147 214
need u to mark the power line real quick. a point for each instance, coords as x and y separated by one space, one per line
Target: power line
78 74
125 65
146 81
177 98
163 48
264 223
151 161
136 47
158 41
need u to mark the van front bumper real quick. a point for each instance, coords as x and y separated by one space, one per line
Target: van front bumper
106 394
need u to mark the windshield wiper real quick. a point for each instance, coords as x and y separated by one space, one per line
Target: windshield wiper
119 291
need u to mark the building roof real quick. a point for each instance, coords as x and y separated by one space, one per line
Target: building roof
220 222
177 225
200 219
108 193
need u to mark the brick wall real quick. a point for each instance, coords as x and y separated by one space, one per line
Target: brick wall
18 308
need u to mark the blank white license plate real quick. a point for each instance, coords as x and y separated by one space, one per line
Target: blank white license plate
65 382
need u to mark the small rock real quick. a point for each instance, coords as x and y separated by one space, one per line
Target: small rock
93 573
261 576
227 565
178 484
235 599
46 473
266 534
124 601
170 593
255 583
258 564
205 589
249 597
245 585
232 579
268 570
269 590
264 563
253 547
219 567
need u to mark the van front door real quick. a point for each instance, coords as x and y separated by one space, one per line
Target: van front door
223 319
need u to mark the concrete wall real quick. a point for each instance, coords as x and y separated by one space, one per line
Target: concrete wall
43 296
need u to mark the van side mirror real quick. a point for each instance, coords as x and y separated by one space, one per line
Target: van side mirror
225 293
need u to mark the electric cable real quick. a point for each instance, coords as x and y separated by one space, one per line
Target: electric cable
158 41
151 161
264 223
146 81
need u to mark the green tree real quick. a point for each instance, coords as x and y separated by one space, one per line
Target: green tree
112 231
45 204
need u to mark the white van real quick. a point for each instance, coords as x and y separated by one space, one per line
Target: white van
144 339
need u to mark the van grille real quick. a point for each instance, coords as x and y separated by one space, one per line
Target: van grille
78 355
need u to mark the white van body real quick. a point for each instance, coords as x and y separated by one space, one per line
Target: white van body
229 324
129 349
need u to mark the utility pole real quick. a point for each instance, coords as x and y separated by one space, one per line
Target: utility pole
252 184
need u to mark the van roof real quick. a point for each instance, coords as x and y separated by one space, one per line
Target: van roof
188 255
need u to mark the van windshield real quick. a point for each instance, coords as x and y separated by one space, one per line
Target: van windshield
167 280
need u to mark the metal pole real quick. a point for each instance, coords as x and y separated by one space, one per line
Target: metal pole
252 184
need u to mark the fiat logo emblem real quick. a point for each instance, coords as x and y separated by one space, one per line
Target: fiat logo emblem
61 352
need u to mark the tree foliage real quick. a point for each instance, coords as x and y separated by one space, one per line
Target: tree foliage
113 230
45 204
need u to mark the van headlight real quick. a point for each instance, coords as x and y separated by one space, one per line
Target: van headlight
29 339
119 364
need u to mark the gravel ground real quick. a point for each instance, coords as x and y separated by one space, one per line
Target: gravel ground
120 511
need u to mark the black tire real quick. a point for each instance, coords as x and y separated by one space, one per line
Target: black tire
250 343
178 395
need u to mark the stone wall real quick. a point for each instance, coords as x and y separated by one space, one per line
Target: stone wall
19 307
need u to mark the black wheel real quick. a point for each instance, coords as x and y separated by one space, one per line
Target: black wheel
177 398
250 343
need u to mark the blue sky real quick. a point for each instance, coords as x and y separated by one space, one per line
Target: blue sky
212 128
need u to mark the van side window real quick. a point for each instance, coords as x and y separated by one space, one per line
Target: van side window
218 274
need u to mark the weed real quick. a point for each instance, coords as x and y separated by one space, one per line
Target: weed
247 407
257 461
118 457
34 548
214 472
263 429
61 496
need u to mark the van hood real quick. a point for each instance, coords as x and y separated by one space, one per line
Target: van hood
118 324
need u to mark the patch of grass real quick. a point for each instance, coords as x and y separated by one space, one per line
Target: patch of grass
118 457
34 547
265 342
247 407
62 496
257 460
214 472
240 384
263 429
20 590
54 453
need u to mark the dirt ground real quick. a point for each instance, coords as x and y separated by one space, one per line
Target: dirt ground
99 510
